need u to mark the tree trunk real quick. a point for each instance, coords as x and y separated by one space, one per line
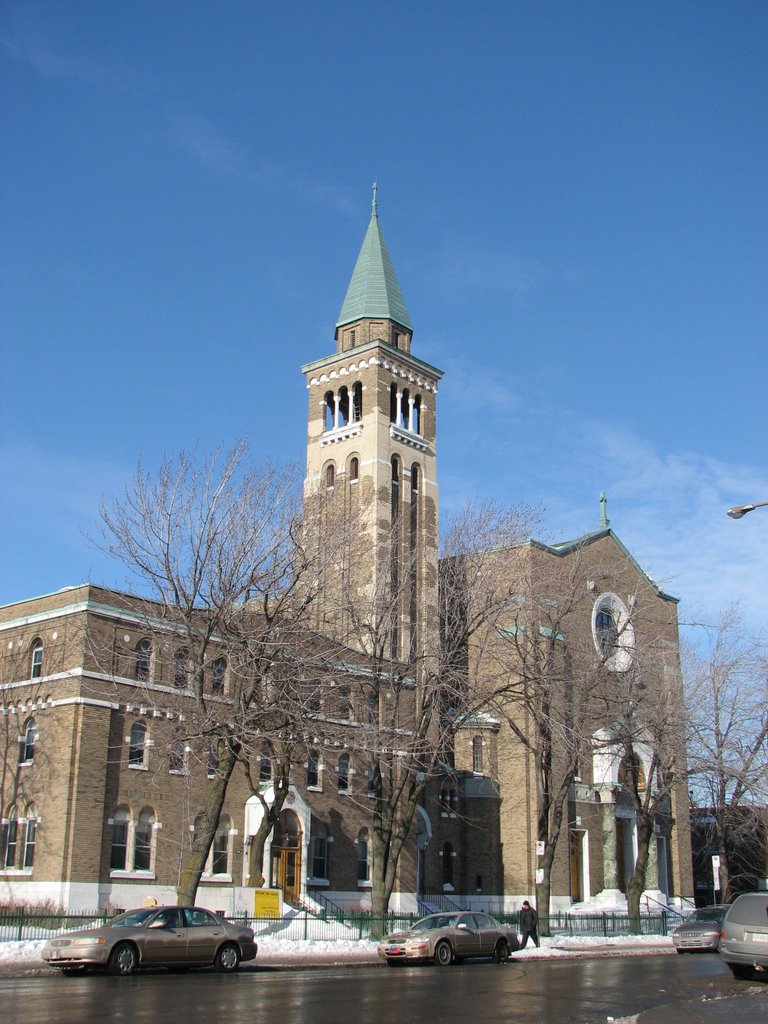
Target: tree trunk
193 863
636 884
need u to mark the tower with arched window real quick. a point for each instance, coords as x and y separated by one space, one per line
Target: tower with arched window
371 459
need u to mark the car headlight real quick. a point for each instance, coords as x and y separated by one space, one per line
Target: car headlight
96 940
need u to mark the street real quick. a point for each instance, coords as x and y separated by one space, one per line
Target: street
674 988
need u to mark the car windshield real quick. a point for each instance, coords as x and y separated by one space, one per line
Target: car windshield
708 914
133 919
428 923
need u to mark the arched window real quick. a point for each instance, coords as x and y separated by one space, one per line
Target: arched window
477 755
416 418
10 838
218 673
137 745
330 476
143 664
36 659
118 856
329 411
27 742
607 631
313 768
354 469
447 852
142 852
342 773
357 402
344 411
363 865
405 407
30 838
181 669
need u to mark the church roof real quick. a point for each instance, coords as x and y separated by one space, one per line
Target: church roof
374 291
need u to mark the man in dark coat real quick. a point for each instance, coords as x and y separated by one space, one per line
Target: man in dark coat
529 921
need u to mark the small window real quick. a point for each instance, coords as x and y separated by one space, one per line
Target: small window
143 660
372 782
27 742
36 659
313 768
220 849
363 866
354 470
11 838
330 474
342 773
177 755
137 745
181 670
319 850
345 703
142 854
218 672
477 755
30 838
351 339
118 857
265 765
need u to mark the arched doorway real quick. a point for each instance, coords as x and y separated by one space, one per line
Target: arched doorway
285 866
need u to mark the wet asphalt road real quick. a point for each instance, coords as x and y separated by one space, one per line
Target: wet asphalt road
662 989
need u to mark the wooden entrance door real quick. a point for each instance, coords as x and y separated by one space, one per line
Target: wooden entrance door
285 870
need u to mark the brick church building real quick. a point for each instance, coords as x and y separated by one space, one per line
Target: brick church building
99 800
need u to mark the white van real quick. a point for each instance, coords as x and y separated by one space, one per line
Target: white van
744 938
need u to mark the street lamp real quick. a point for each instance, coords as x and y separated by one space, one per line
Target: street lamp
741 510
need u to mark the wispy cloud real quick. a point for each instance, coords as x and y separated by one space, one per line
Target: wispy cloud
489 270
29 48
207 146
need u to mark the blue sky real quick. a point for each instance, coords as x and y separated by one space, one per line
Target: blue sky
574 196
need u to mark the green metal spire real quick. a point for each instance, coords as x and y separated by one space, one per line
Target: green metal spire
374 291
605 522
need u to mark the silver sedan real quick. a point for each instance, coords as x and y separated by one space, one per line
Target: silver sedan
450 938
174 937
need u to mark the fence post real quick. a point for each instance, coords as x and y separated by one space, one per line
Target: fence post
21 923
306 919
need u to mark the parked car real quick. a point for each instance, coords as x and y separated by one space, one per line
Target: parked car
450 938
174 937
700 933
744 936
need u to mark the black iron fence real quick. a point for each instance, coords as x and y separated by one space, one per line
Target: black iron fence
24 924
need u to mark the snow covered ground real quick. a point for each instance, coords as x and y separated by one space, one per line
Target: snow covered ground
27 953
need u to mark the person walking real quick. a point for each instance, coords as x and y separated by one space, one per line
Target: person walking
529 921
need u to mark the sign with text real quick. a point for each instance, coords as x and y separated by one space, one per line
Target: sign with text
266 903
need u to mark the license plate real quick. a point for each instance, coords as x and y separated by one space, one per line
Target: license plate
759 937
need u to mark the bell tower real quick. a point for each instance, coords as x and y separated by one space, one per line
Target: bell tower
371 458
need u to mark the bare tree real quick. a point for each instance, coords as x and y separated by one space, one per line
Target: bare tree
726 682
417 699
218 550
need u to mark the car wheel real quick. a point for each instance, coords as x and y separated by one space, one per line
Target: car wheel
124 959
501 953
227 958
443 954
741 970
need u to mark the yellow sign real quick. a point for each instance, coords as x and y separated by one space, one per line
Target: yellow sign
266 903
150 901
